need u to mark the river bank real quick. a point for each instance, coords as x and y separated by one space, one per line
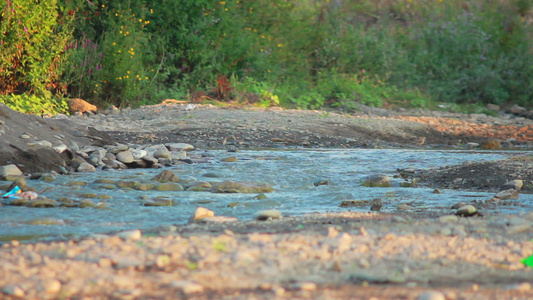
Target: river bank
355 255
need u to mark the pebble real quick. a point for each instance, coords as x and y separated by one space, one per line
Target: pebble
377 203
52 287
188 287
270 214
431 295
13 290
131 235
162 153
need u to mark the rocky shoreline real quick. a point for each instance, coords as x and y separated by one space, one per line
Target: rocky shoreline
406 255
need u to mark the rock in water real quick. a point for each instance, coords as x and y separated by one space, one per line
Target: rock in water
166 176
466 211
376 204
241 187
377 181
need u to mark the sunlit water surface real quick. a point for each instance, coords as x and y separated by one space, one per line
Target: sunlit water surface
291 173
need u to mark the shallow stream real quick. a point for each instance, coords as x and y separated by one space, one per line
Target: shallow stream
291 173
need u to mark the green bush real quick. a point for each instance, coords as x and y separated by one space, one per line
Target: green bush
33 42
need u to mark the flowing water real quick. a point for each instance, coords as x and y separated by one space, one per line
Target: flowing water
291 173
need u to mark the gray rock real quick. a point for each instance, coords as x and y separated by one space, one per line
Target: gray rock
466 211
376 204
241 187
162 153
377 181
139 153
13 290
269 214
322 182
516 184
9 170
471 145
125 157
166 176
86 167
117 149
60 148
169 186
179 147
507 195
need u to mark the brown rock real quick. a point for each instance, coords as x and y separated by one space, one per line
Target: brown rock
79 105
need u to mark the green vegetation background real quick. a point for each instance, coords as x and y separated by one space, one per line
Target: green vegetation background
294 53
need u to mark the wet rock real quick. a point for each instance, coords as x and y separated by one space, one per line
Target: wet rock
87 203
201 184
506 195
200 213
20 182
145 187
86 167
42 202
466 211
354 203
260 197
166 176
66 202
376 204
241 187
105 181
48 177
212 175
130 235
377 181
127 184
458 205
159 202
269 214
9 172
229 159
125 157
436 191
322 182
19 201
169 186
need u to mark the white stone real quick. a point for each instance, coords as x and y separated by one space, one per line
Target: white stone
179 147
131 235
466 210
10 170
139 153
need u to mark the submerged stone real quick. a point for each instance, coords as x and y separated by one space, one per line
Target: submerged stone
166 176
377 181
241 187
42 203
169 186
